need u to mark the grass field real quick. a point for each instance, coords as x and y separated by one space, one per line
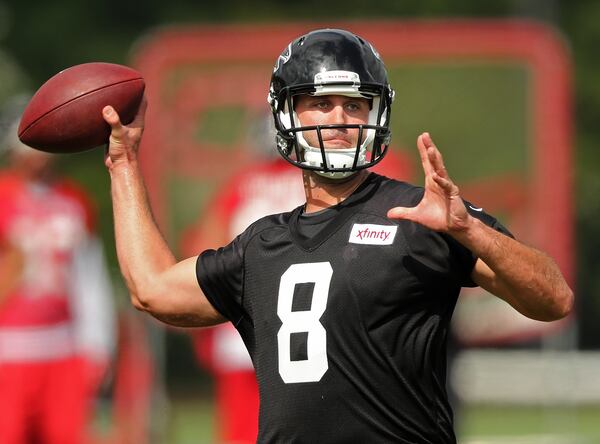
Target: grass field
191 422
555 425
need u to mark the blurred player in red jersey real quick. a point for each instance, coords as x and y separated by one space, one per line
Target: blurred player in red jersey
269 186
56 317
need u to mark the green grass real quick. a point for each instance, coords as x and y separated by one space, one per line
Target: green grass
191 421
564 424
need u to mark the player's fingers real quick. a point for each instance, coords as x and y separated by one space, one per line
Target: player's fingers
401 213
427 140
437 162
435 156
112 118
107 158
423 154
446 184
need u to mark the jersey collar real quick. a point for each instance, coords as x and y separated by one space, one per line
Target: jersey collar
345 209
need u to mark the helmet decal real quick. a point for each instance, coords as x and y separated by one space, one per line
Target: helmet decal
283 57
375 53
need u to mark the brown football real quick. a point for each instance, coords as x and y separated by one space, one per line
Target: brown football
65 114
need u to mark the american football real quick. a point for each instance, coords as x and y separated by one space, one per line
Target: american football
65 114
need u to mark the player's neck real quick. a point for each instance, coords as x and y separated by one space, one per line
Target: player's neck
322 192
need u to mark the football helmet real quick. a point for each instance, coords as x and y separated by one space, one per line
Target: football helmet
331 62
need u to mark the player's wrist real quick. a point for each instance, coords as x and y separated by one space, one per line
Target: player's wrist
468 231
126 165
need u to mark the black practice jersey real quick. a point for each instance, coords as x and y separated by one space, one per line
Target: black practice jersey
346 328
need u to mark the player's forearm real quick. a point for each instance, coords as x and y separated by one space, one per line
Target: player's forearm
141 249
529 279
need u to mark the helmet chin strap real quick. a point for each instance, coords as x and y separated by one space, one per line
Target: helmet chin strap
335 158
338 158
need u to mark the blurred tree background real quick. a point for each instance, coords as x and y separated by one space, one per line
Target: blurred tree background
40 38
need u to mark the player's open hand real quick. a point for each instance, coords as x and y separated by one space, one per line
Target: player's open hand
124 139
441 208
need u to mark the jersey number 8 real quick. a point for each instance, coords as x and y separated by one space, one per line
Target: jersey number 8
314 367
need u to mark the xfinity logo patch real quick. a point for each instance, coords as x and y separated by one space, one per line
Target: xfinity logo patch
372 234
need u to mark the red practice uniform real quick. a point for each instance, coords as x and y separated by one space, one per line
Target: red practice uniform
48 376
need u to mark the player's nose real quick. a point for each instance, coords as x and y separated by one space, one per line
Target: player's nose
338 114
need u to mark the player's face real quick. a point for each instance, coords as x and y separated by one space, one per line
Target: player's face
328 110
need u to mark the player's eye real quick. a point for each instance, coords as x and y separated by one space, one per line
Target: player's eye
354 106
321 104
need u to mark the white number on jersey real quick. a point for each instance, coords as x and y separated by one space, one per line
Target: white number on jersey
307 321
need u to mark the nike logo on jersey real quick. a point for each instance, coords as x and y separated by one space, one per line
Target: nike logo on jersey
475 209
372 234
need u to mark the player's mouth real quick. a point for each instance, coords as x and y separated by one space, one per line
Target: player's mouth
338 139
338 143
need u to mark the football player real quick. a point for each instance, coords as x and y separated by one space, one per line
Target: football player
269 185
344 303
57 326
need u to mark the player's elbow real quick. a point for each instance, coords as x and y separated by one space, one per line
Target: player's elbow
560 305
564 303
546 306
145 297
139 303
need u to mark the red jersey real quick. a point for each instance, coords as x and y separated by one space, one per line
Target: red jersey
46 223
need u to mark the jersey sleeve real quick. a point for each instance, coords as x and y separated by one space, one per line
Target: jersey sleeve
220 274
445 256
490 221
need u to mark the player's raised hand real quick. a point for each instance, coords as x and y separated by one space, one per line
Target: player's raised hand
124 139
441 208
